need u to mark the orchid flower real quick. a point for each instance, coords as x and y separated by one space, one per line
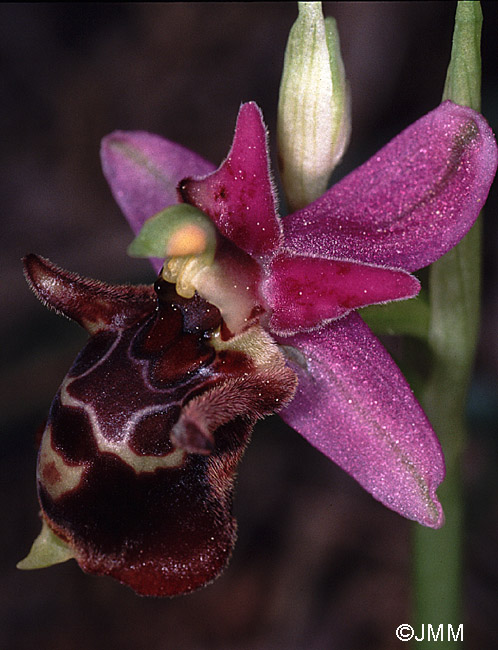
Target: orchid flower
251 314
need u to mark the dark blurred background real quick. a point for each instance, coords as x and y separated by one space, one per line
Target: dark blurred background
319 564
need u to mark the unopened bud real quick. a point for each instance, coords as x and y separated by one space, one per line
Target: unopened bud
313 111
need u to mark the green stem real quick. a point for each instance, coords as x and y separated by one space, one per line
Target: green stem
454 299
438 570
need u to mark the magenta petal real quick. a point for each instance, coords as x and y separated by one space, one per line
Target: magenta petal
411 202
354 405
303 292
239 195
144 170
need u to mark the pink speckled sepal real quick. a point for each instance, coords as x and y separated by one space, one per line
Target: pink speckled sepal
411 202
239 195
354 405
144 170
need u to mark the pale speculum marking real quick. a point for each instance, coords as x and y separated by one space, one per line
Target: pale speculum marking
56 475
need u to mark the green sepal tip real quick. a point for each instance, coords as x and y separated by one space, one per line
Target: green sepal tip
47 549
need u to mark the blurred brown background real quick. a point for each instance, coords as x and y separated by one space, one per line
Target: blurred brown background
319 564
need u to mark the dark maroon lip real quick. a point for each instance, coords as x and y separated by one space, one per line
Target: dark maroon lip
137 461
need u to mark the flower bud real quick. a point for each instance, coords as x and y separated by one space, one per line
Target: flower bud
314 109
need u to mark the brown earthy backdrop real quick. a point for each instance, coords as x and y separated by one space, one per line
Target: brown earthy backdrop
319 564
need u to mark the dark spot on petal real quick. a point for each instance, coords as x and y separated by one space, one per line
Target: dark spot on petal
221 193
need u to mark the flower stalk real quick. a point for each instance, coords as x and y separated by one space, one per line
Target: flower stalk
454 298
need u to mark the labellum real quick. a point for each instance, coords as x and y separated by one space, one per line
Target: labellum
138 457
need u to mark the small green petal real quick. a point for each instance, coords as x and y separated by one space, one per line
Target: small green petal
47 549
178 231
